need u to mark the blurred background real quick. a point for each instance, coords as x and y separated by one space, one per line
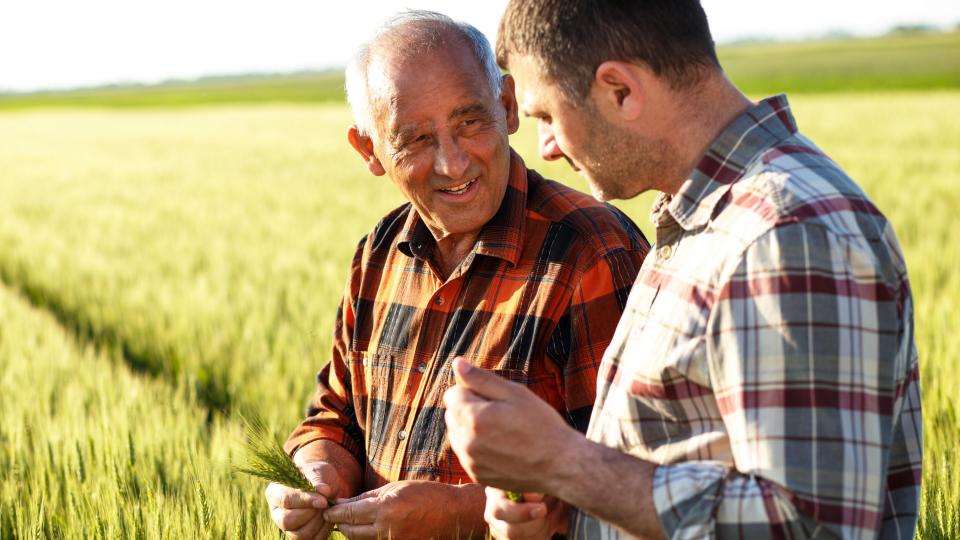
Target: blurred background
179 206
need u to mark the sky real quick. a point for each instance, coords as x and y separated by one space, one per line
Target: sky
48 44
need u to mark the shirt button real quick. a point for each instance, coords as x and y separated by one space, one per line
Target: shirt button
666 251
421 368
438 301
402 435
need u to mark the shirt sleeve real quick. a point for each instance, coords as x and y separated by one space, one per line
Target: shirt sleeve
811 356
330 413
586 329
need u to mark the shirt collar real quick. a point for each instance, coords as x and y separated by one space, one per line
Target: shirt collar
501 237
758 128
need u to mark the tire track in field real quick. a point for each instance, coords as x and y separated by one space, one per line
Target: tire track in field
210 392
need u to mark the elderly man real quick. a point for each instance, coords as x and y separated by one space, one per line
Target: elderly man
763 382
489 261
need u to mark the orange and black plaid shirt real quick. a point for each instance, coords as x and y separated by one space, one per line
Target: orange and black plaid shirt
536 301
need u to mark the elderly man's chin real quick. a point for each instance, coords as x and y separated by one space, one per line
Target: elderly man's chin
462 224
455 221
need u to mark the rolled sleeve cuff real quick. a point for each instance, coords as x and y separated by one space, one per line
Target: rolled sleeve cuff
299 439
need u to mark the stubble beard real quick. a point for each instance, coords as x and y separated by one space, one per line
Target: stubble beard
621 164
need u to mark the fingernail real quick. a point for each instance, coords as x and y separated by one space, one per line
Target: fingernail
319 502
465 366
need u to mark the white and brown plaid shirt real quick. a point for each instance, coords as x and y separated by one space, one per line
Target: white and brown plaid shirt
766 357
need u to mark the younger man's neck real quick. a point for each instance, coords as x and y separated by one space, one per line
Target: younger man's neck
703 113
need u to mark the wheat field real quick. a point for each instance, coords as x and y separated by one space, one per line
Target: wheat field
164 269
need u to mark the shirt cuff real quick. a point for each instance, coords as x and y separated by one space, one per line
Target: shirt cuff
298 441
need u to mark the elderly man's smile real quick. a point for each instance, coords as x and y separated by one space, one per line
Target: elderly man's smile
461 192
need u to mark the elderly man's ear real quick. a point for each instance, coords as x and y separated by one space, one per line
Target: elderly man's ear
363 144
508 98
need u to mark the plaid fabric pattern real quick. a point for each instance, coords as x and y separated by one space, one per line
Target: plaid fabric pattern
766 359
537 301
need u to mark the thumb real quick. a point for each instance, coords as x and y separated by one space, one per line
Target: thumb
481 382
533 497
322 475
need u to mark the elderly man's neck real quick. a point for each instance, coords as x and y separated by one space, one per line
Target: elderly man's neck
452 249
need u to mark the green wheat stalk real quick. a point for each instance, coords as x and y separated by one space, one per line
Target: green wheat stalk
265 458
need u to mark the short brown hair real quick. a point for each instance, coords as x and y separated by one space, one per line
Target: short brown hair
571 38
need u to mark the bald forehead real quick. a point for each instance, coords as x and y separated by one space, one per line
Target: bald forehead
394 72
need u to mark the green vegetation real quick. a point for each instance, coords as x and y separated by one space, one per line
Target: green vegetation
266 458
901 61
165 268
896 62
89 450
315 87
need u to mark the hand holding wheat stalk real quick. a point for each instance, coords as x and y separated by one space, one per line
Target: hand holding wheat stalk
265 458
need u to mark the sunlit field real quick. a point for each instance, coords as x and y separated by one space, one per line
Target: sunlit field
166 268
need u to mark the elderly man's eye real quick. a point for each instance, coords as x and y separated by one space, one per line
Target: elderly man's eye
468 122
414 141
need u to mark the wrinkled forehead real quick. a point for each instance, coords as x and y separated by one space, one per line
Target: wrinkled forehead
404 87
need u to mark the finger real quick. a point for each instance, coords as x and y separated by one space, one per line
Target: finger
502 530
311 530
528 496
292 520
325 531
459 397
498 529
295 498
481 382
511 512
365 495
362 532
316 473
280 496
501 508
529 529
532 496
354 513
274 494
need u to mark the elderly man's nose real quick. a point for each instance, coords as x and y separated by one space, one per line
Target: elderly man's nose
549 150
451 160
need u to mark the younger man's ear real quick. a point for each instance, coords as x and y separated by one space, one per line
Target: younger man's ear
363 144
619 87
508 98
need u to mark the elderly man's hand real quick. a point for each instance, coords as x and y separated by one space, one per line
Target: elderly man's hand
504 435
300 514
410 509
537 517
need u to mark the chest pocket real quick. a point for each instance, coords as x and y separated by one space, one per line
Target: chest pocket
376 386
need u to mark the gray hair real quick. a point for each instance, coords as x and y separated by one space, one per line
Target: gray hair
428 29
